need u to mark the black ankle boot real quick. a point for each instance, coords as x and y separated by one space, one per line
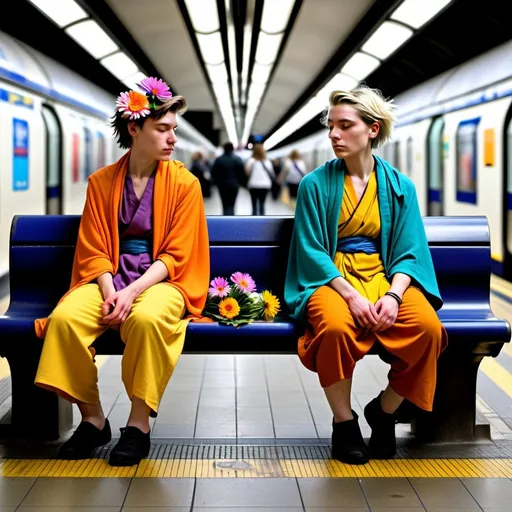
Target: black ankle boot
347 442
383 439
84 441
132 447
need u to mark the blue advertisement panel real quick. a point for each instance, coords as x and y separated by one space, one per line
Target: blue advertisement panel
20 154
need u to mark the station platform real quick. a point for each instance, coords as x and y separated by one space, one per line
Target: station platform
252 433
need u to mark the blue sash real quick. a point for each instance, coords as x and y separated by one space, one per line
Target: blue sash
353 244
135 246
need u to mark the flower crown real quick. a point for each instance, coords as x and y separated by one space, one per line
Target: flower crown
134 104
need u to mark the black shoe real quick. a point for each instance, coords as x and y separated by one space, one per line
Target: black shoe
85 439
383 439
132 447
347 442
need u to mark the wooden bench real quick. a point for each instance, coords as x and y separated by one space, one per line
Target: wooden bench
41 255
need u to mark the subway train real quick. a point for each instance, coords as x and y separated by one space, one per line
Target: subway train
54 132
453 138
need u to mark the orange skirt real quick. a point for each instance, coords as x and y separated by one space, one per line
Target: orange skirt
332 344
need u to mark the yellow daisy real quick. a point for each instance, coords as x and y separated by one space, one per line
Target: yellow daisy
272 305
229 308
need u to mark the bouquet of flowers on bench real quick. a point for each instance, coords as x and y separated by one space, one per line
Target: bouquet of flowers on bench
236 302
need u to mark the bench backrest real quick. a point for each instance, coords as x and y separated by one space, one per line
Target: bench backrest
42 249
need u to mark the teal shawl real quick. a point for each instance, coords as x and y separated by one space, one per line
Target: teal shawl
404 242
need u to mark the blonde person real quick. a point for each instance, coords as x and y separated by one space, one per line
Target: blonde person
293 172
261 176
360 272
141 264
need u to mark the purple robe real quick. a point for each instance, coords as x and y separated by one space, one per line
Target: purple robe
135 221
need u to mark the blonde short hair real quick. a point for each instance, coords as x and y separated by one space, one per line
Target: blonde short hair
371 106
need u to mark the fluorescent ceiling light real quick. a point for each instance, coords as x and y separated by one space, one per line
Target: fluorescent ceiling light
120 65
249 118
276 14
62 13
211 48
246 55
218 74
256 91
221 92
229 122
203 14
133 80
232 61
339 82
93 38
268 46
250 114
386 39
260 73
360 65
416 13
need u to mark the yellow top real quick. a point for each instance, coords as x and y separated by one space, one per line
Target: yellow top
365 272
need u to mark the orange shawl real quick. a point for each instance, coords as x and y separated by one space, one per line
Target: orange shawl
180 234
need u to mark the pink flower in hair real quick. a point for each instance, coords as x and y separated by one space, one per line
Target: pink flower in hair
156 87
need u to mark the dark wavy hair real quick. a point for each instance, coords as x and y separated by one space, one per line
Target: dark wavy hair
176 104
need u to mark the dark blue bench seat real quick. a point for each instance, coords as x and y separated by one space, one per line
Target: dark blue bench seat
41 255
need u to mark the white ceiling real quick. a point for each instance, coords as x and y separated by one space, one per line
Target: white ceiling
319 30
321 26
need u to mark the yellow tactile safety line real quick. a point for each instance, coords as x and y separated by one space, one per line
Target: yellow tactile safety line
261 468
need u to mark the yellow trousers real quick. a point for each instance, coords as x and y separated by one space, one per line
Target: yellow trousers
153 333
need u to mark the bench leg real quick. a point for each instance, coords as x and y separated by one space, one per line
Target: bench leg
35 412
454 416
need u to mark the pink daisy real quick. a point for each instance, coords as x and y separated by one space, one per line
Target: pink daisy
244 281
156 87
219 287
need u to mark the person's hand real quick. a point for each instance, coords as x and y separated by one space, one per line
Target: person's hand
363 311
387 308
105 308
117 307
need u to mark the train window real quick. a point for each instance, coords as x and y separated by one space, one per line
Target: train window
409 157
396 156
53 161
75 157
509 187
101 151
466 144
88 152
435 166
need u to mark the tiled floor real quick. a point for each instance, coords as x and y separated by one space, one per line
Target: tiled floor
244 396
232 494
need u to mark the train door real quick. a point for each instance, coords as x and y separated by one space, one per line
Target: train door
507 224
435 168
88 153
409 157
101 158
53 162
397 157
